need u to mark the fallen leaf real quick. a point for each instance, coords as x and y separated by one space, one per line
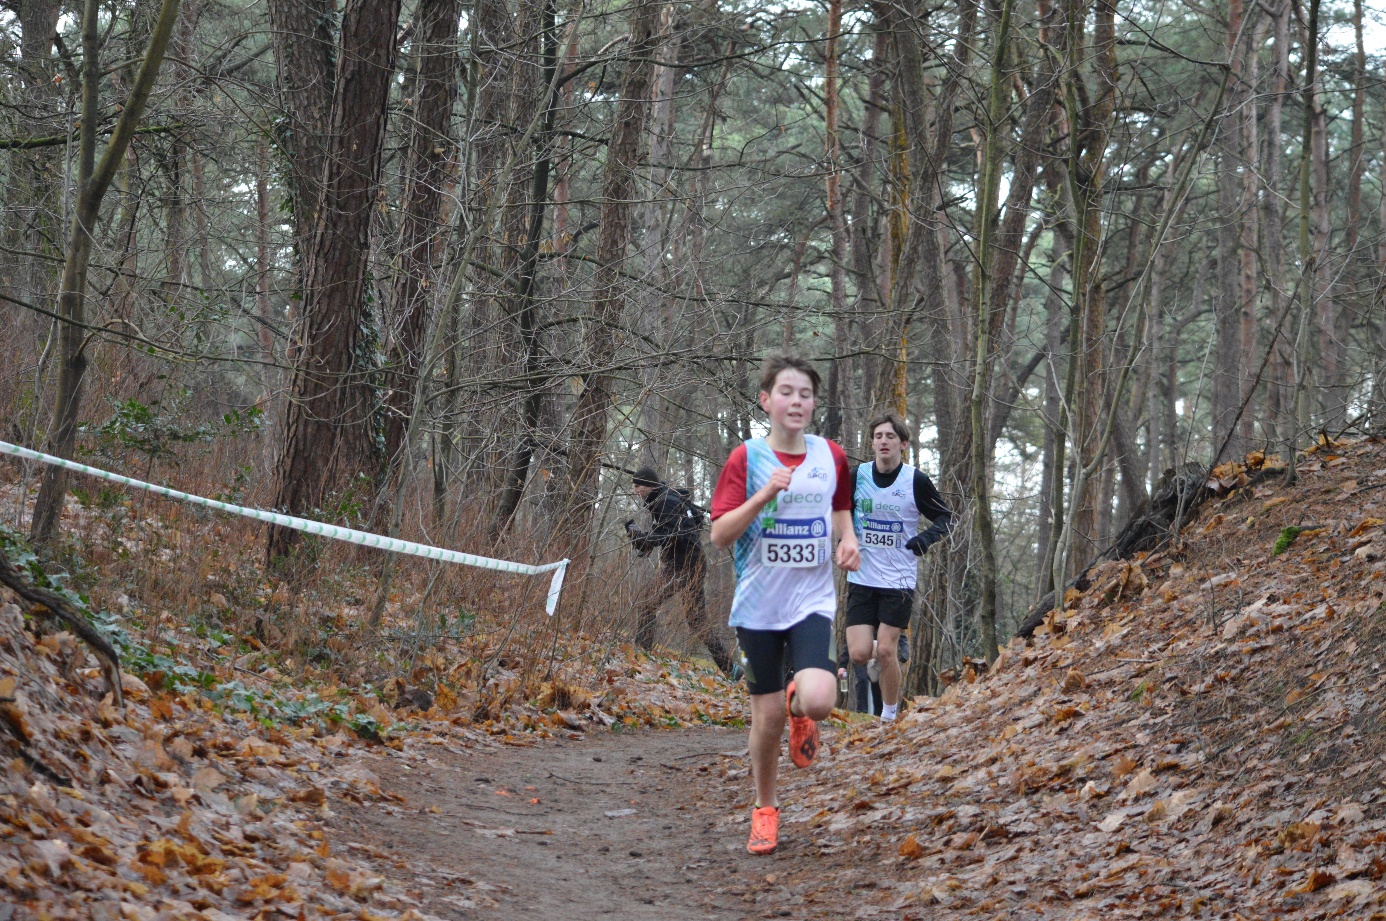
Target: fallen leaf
311 796
1366 524
1315 880
207 779
911 849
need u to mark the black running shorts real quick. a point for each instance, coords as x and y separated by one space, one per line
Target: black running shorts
868 605
764 653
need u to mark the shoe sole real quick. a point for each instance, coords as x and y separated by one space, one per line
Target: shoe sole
808 746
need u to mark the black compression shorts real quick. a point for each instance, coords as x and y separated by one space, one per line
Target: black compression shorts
764 653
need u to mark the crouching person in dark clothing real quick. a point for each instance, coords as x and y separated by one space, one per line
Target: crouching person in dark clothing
676 530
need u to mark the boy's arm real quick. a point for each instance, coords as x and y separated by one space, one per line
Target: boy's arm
932 507
848 552
727 528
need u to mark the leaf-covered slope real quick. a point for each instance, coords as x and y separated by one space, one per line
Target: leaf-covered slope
1200 737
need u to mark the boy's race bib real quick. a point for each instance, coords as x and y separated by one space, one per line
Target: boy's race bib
794 543
882 534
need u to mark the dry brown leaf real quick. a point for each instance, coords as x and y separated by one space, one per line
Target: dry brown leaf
312 796
16 714
207 779
1366 524
911 849
1064 714
1299 835
1315 880
1141 784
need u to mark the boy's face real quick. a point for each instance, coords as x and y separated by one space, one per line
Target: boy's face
887 446
789 403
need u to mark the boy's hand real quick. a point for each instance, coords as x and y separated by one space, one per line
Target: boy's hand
779 482
849 553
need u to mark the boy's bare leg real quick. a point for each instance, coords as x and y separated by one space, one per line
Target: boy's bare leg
767 729
815 692
887 655
859 639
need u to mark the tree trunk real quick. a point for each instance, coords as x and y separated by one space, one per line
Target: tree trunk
1346 293
1090 116
328 438
263 264
32 212
1227 354
1308 254
1250 242
613 236
834 420
304 51
1278 389
526 313
94 178
1051 476
430 149
987 318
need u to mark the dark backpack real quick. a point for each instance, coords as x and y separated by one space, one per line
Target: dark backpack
691 517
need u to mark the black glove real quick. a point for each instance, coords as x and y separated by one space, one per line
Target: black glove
630 525
919 544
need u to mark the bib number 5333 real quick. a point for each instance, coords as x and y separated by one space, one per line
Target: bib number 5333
792 553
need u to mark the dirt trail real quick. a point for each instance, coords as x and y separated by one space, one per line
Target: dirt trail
626 826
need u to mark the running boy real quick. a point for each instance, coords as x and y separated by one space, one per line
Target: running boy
889 498
780 500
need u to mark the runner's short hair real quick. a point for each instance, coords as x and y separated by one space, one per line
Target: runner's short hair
901 429
776 362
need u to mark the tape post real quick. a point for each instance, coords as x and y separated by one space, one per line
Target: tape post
321 529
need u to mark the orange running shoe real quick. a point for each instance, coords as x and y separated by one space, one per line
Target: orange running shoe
765 830
803 733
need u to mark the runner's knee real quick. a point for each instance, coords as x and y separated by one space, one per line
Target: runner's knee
815 699
816 708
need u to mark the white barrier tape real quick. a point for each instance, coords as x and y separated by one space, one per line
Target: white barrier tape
351 536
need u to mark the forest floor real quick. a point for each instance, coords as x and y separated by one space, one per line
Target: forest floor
1201 736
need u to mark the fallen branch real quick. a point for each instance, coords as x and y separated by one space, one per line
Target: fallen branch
58 606
1177 498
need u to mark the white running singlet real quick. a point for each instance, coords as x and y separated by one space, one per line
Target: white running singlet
784 568
884 520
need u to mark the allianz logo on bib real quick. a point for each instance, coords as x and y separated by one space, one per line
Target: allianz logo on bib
797 527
